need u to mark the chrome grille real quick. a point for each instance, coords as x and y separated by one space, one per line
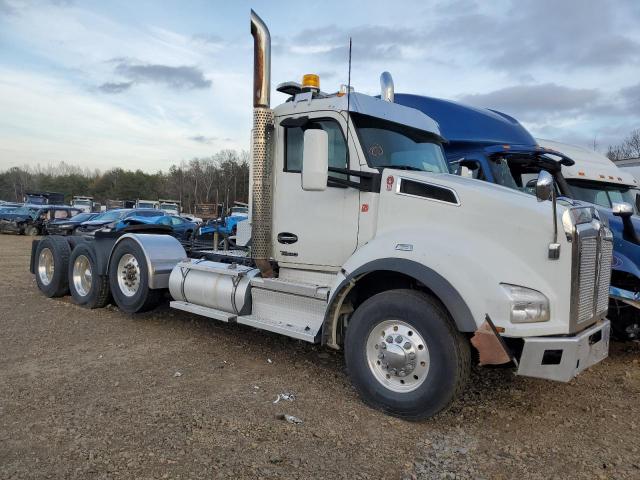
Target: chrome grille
588 271
591 273
605 273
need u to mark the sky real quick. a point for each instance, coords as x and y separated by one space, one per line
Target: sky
147 84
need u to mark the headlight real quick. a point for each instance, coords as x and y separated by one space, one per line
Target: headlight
527 305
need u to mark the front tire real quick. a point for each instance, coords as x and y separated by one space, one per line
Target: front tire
405 356
87 287
31 231
129 279
52 260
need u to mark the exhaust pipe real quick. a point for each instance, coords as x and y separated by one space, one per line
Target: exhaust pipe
386 87
261 148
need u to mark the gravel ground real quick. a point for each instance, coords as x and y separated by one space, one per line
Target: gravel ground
100 394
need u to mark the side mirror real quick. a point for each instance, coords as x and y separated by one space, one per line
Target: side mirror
544 186
315 160
622 210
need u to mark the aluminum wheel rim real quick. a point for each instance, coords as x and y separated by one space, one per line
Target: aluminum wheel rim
46 266
128 275
397 356
82 275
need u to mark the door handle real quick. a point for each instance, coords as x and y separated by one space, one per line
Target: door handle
287 238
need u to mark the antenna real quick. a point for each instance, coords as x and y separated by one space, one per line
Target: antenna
348 95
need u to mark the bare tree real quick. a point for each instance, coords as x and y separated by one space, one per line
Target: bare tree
628 148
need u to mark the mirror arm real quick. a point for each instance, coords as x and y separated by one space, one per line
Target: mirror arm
554 247
370 182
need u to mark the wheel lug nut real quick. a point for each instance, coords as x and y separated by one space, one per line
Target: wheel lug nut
381 355
399 339
407 345
401 373
383 346
412 355
389 339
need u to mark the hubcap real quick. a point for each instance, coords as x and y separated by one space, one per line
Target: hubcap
82 275
128 275
397 355
45 266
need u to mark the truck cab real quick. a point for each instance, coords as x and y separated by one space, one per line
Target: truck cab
83 203
596 180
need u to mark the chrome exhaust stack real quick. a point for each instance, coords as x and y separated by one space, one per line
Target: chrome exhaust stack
386 87
261 148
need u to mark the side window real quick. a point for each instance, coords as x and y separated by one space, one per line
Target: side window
60 214
177 221
294 141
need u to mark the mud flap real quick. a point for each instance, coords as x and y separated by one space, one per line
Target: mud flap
490 345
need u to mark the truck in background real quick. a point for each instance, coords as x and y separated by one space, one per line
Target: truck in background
172 207
83 203
630 165
360 240
147 204
491 146
44 198
597 180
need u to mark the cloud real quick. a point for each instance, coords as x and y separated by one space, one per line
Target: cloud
115 87
568 34
529 101
6 8
370 42
209 39
204 140
179 78
631 95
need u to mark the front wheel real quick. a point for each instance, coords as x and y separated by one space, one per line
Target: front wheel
129 279
404 355
31 231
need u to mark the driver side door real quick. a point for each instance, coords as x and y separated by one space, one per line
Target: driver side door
318 229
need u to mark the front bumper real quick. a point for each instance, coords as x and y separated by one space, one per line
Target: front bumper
562 358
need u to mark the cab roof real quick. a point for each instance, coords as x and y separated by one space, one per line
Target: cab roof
360 103
589 165
463 123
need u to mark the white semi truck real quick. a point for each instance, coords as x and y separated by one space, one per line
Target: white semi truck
360 240
83 203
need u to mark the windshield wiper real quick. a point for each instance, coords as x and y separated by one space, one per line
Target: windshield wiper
401 167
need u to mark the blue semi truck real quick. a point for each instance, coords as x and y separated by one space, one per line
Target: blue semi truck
492 146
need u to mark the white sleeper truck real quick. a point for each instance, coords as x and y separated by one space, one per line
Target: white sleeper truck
359 239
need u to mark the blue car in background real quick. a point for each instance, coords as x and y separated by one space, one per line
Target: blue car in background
181 228
112 217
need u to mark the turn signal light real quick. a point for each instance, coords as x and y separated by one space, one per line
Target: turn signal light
311 80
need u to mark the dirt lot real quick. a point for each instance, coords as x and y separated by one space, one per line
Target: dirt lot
99 394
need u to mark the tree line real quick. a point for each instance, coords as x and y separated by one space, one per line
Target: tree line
221 178
628 148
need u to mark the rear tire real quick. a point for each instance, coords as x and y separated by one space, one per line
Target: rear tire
129 279
51 265
405 356
31 231
87 288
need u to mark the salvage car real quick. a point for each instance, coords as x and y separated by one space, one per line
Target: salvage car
68 226
181 228
110 218
33 219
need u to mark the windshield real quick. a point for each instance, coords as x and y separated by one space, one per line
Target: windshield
603 194
146 205
82 202
111 216
388 144
171 207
